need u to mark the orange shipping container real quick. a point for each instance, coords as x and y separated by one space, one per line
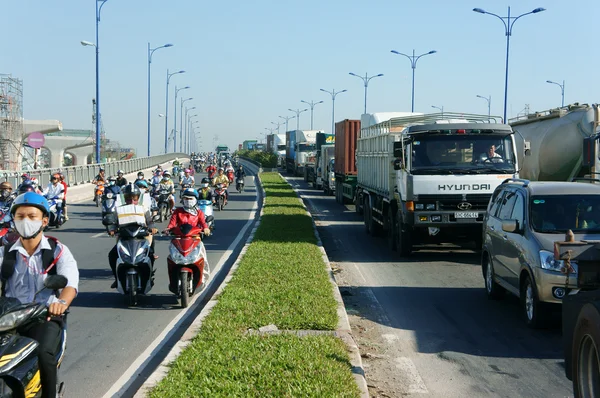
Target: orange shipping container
346 134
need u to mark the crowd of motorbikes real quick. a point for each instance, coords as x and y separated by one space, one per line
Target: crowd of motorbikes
187 266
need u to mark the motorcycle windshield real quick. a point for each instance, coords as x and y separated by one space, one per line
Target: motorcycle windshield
132 251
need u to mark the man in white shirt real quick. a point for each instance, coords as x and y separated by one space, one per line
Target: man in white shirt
55 190
188 179
25 265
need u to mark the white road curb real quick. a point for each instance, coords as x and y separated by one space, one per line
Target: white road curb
343 327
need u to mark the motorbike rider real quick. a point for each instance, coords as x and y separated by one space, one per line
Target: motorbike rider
6 193
167 184
25 265
188 213
36 185
187 179
65 186
55 190
24 177
140 176
222 179
156 179
240 173
112 186
211 169
131 194
206 192
101 177
145 189
121 181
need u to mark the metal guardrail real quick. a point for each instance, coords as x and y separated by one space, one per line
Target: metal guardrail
75 175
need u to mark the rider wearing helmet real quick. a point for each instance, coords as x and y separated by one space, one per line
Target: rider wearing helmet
55 191
205 192
240 173
131 195
61 179
140 176
101 177
187 179
25 269
121 181
188 213
167 184
222 179
156 178
6 193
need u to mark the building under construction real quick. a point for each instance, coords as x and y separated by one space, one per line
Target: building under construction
11 122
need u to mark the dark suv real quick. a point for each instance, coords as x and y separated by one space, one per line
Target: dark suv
523 221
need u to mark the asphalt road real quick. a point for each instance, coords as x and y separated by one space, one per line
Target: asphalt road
105 336
425 326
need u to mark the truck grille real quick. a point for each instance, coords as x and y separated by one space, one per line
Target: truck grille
452 202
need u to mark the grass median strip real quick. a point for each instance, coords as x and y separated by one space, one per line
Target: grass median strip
281 280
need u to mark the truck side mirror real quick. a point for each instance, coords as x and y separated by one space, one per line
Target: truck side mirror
398 164
397 149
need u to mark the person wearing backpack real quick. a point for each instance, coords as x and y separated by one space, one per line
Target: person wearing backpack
24 266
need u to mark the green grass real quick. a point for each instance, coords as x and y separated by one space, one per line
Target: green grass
281 280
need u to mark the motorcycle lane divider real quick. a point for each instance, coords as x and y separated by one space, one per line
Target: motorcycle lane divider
138 367
343 328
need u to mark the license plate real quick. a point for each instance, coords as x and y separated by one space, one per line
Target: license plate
466 215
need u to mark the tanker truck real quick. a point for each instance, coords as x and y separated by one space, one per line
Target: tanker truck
559 144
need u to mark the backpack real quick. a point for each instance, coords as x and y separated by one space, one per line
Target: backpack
10 259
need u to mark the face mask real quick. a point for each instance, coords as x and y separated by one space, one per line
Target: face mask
189 203
28 229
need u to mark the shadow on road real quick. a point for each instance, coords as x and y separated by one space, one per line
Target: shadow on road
114 299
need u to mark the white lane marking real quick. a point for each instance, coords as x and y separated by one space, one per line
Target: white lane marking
127 379
365 281
416 385
99 235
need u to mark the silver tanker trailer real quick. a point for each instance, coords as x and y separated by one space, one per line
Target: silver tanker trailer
559 144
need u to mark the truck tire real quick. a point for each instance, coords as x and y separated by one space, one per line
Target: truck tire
367 215
392 232
404 245
586 353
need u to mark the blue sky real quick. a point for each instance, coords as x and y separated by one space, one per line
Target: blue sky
248 62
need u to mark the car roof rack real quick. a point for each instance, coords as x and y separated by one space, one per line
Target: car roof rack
513 180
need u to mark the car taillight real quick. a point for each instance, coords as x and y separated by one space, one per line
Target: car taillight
461 131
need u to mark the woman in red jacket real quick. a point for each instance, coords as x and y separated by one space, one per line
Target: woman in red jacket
188 214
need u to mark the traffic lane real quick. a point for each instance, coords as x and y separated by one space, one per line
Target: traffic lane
432 308
105 336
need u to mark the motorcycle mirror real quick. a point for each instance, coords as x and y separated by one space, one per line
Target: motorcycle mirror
55 282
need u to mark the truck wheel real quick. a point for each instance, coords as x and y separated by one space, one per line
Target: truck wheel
367 216
392 232
535 312
586 353
404 245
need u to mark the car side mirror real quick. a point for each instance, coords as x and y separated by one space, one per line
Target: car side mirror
510 226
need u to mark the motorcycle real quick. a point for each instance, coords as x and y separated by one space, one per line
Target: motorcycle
109 200
19 370
220 193
135 273
188 269
5 223
98 191
57 217
162 203
240 185
205 206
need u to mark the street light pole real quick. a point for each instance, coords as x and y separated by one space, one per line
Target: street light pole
365 80
287 119
413 63
187 133
167 108
562 91
185 140
279 124
489 102
312 108
440 108
333 94
297 112
508 25
150 52
175 117
183 101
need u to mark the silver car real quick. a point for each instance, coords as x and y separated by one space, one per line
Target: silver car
523 221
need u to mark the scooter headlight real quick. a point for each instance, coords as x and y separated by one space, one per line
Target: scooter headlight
13 319
124 253
175 255
109 195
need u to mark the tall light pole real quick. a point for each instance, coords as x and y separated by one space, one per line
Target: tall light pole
508 25
99 5
562 90
440 108
183 101
297 112
184 141
333 94
287 119
167 109
413 63
489 102
366 79
277 124
312 108
187 132
150 52
177 90
191 132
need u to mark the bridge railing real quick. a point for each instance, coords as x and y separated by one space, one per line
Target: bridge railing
75 175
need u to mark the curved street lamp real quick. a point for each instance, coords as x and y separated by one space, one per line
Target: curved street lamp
177 90
150 52
413 63
167 107
297 112
183 101
312 108
333 94
489 102
508 25
366 80
562 90
287 119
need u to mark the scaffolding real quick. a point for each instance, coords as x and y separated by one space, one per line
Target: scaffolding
11 122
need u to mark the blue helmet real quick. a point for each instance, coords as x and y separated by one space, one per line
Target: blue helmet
190 192
141 184
30 199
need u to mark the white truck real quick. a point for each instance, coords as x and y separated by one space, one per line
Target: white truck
300 147
276 145
429 178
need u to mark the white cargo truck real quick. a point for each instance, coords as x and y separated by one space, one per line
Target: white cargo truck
429 178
